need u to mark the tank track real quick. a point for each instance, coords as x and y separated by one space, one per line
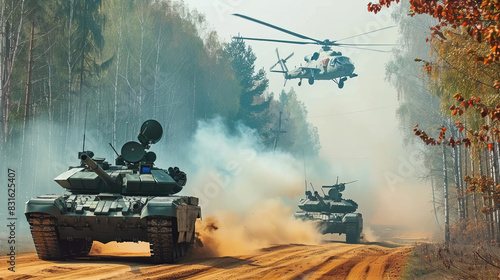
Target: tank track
353 235
45 236
162 236
47 242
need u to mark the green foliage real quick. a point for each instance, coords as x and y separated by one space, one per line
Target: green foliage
300 136
253 103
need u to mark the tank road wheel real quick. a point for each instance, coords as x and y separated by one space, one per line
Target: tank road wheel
352 233
46 237
163 236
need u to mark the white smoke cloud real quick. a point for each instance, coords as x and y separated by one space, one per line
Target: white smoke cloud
234 171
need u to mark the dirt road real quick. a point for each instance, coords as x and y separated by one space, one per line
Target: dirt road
334 260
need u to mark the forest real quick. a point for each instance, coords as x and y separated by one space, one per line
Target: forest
102 68
450 104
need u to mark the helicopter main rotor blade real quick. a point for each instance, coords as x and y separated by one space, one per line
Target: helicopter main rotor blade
365 45
376 30
365 49
278 28
273 40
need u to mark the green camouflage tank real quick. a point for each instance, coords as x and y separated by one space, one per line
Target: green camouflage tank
130 201
332 213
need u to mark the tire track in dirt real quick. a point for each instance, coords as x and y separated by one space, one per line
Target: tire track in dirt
370 262
335 260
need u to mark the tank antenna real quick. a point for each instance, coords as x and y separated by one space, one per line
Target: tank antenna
323 192
85 125
114 149
312 187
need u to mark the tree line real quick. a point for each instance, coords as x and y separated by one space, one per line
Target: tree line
448 90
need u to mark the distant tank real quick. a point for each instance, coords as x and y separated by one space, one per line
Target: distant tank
332 213
130 201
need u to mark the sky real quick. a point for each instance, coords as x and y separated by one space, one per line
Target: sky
357 125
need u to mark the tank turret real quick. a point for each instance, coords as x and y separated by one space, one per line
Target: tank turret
130 201
133 174
331 212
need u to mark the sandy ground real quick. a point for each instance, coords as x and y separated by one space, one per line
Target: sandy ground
330 260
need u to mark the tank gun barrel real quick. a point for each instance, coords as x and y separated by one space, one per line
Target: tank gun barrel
321 200
98 170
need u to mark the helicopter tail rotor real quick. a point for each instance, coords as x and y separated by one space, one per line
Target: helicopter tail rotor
282 63
290 55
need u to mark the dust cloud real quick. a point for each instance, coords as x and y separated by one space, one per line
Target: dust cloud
369 235
246 192
227 233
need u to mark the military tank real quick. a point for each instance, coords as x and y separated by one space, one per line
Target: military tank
130 201
332 213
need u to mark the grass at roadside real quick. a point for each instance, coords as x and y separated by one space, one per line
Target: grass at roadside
452 261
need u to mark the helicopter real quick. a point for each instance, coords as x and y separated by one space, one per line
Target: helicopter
325 64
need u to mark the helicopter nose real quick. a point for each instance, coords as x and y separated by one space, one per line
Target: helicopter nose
347 67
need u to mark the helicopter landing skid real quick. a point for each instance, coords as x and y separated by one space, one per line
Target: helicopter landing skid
340 81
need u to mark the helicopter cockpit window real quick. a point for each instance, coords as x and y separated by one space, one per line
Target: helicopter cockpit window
315 56
343 60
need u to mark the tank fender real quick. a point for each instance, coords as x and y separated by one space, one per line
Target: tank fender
352 218
160 206
47 204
